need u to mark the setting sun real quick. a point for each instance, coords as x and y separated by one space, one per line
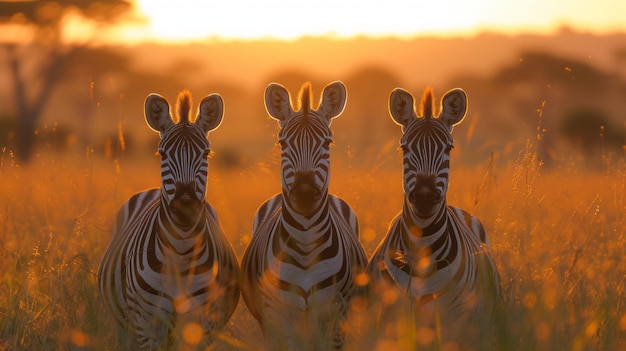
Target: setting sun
282 19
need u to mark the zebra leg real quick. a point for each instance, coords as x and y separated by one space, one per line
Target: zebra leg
153 332
337 323
126 339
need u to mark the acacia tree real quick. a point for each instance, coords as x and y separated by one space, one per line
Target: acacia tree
38 61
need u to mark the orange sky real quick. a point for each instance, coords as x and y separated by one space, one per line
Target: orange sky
198 20
192 20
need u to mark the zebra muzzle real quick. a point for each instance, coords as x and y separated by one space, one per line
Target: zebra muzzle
185 206
425 199
305 194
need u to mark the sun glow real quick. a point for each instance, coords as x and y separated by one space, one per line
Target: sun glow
285 19
196 20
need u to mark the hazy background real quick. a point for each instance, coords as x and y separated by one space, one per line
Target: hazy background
75 75
574 78
540 158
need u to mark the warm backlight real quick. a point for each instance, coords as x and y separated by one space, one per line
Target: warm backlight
189 20
286 19
198 20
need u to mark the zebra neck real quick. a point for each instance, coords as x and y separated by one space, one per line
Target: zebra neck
294 221
169 230
178 249
431 242
424 231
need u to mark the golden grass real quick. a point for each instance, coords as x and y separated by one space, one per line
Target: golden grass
557 235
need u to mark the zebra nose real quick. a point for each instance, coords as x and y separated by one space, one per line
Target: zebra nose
425 191
304 182
304 186
304 194
425 195
185 192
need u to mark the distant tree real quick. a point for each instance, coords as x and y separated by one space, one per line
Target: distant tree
590 130
38 63
293 79
549 69
367 112
620 54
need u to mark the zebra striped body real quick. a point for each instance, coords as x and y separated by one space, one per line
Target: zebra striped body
436 254
299 269
169 263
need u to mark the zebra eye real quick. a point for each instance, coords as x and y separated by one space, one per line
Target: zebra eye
449 149
162 154
282 143
404 148
327 143
206 154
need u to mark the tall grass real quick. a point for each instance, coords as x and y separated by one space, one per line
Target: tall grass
557 235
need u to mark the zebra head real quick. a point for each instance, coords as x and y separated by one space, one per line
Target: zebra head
184 150
305 139
426 144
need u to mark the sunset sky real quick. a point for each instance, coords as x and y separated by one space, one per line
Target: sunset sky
197 20
190 20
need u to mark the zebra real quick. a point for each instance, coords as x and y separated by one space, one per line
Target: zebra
301 268
169 264
436 255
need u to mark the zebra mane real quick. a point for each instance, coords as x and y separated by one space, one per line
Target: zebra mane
305 99
183 106
427 104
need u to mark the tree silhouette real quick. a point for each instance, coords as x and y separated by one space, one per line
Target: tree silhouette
590 130
367 112
37 63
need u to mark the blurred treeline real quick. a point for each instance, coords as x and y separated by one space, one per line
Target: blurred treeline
575 104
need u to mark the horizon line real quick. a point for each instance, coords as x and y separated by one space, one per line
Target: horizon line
209 39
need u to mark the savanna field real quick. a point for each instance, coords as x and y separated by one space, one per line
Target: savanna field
557 235
540 159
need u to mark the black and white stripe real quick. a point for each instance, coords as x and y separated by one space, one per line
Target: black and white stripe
300 266
169 262
432 251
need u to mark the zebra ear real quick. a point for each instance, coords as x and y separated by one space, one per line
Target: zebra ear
401 107
453 107
210 113
157 113
278 102
333 100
